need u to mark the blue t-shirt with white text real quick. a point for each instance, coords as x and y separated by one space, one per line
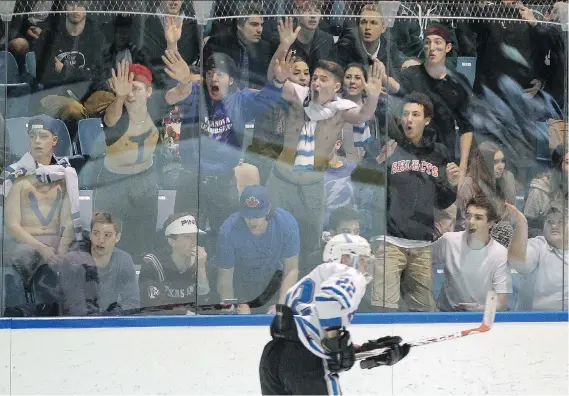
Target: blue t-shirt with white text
221 126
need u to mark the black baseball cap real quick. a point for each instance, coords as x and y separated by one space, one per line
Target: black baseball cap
221 62
42 122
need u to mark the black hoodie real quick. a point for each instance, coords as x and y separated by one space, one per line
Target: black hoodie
321 48
514 49
351 49
78 54
416 185
252 60
162 283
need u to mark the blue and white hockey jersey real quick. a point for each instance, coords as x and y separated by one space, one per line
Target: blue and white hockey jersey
326 297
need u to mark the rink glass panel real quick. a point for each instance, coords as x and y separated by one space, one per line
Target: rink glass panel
526 139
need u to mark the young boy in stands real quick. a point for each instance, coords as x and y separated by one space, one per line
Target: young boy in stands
176 273
42 198
474 262
542 260
448 90
420 179
98 278
213 131
312 127
42 216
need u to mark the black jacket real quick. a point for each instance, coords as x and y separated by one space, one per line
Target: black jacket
416 185
351 49
19 24
161 283
257 55
322 48
148 34
493 61
78 55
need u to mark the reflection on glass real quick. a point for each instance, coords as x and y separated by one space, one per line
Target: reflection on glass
181 155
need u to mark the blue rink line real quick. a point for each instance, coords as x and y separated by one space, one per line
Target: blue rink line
264 320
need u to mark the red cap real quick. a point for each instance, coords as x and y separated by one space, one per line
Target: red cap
141 73
438 30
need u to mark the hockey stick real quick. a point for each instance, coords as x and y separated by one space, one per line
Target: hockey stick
486 325
264 298
270 290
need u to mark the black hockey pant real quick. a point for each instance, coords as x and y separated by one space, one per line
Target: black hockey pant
288 368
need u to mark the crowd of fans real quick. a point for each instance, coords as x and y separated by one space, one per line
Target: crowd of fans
277 134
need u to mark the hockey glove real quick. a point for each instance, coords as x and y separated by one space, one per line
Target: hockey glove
392 355
341 351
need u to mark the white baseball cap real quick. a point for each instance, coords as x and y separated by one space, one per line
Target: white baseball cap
183 225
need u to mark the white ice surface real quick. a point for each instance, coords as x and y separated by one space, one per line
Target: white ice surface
511 359
4 362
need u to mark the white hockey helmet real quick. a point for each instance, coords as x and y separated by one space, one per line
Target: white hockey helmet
341 244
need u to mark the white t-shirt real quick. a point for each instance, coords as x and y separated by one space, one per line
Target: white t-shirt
470 273
545 286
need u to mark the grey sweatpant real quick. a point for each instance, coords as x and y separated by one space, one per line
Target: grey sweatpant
302 196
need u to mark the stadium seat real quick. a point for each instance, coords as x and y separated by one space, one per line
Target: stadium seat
9 73
85 208
19 144
14 93
467 66
166 201
92 147
31 64
90 132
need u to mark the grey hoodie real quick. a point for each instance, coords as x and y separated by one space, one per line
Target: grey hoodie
90 290
541 194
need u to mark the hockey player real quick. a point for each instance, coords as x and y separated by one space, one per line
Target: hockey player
310 344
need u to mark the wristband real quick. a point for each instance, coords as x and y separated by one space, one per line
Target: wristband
280 82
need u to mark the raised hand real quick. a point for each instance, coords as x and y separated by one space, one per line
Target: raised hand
34 32
284 67
121 80
514 214
527 14
287 33
173 29
386 151
176 67
374 85
453 173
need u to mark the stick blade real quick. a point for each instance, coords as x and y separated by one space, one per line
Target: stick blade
490 309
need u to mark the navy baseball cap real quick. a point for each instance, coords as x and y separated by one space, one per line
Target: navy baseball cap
42 122
254 202
222 62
